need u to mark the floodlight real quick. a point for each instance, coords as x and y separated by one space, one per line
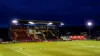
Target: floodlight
62 24
50 23
14 21
30 22
89 23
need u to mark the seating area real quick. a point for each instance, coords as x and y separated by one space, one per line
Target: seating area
50 36
22 34
34 30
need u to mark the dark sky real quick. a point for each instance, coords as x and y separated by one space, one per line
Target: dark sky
71 12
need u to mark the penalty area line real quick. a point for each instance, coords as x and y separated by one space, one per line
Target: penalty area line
17 51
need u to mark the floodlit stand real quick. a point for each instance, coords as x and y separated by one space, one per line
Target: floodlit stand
45 30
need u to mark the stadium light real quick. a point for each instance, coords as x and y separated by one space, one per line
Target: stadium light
14 21
30 22
50 23
62 24
89 24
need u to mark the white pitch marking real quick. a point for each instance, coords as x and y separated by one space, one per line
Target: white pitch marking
17 51
91 46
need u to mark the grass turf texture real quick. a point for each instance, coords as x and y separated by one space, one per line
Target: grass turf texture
67 48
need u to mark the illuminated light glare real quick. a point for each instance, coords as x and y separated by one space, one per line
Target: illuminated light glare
89 23
62 23
15 21
50 23
30 22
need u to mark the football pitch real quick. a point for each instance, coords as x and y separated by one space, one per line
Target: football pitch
66 48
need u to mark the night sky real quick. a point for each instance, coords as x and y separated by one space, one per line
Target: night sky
71 12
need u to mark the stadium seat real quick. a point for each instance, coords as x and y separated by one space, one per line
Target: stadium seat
22 35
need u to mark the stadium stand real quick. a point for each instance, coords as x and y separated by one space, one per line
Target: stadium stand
21 34
33 30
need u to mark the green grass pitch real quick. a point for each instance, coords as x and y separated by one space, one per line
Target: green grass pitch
66 48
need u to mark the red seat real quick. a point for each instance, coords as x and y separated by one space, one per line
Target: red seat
22 36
